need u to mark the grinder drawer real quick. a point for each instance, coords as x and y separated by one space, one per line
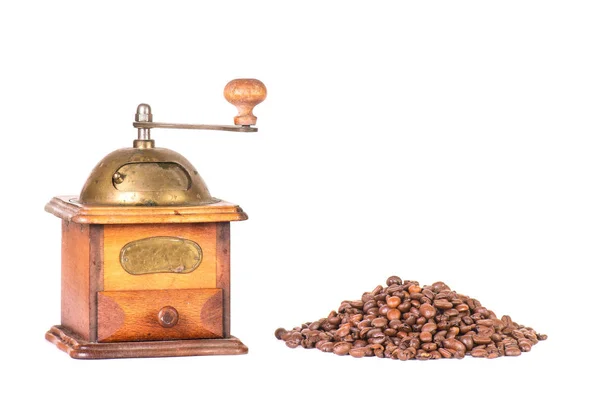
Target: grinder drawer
139 315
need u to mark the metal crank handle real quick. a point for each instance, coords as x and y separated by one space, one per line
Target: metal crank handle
244 94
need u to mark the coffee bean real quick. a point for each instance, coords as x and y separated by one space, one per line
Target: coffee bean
342 348
525 345
379 322
393 301
428 293
427 311
512 351
481 339
425 337
393 314
279 332
393 280
407 321
383 310
442 304
467 340
343 331
357 352
479 353
439 286
465 328
429 327
405 306
414 289
377 290
461 308
454 344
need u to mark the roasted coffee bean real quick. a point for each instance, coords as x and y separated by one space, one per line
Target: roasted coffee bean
467 340
465 328
525 345
393 301
479 353
429 346
439 286
404 307
425 337
390 332
445 353
428 293
429 327
416 296
414 289
427 311
442 304
383 310
411 319
512 351
279 332
461 308
478 339
423 355
407 321
496 337
377 290
342 348
454 344
357 352
393 314
343 331
393 280
379 322
452 332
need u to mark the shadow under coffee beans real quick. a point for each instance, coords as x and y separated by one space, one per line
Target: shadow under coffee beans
406 321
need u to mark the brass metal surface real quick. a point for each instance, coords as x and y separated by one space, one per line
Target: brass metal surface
230 128
160 254
151 176
145 177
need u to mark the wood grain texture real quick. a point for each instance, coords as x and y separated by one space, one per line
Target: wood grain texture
133 315
75 279
96 275
78 348
223 271
117 236
67 208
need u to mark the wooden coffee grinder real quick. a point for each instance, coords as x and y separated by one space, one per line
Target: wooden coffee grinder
145 250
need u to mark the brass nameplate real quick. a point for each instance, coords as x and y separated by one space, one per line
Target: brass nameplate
161 254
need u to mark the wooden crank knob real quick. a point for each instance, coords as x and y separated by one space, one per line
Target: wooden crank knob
245 94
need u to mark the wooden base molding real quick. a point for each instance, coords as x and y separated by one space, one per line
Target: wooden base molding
78 348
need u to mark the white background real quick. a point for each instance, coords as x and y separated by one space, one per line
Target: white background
437 140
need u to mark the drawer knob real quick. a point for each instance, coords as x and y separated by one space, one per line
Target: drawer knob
168 317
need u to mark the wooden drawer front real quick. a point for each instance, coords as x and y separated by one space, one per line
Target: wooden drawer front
134 315
118 236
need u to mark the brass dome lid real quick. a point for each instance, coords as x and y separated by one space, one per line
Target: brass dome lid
145 176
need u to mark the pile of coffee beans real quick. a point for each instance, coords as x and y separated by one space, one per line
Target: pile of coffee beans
406 321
